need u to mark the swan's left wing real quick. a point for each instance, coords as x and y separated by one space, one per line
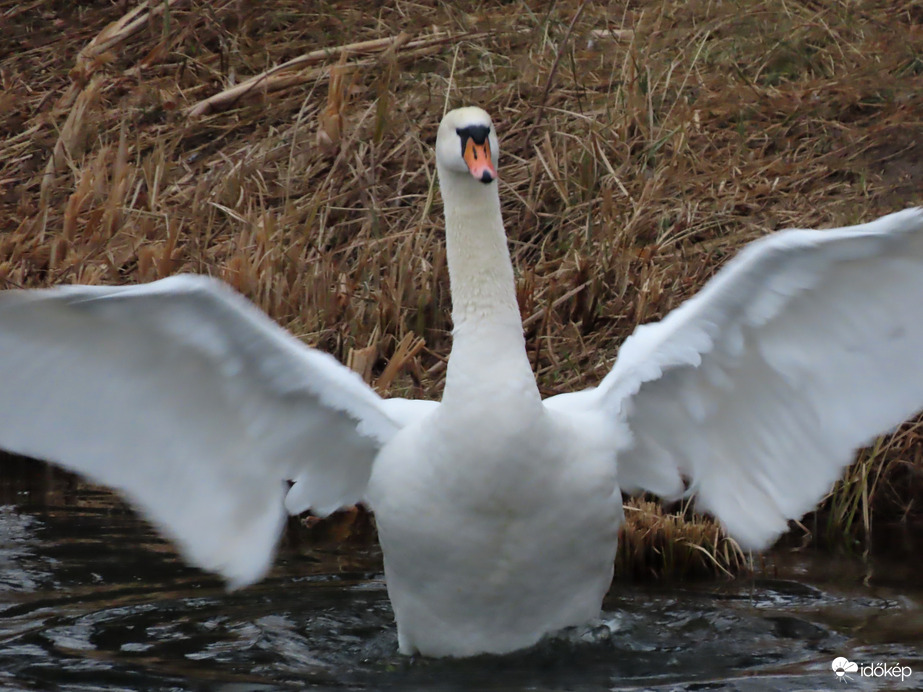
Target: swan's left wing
187 398
758 390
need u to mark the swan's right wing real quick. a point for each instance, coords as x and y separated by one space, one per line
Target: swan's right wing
187 398
758 390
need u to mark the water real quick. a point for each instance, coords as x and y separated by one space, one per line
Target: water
91 599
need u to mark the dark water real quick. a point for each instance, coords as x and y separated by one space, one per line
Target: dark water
91 599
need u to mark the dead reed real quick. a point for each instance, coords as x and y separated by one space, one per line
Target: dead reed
285 147
677 545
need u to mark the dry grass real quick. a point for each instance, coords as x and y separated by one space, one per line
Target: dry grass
657 544
643 143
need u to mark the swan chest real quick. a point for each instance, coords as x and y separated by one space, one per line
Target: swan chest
495 529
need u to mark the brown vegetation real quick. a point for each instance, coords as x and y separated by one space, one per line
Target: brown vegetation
285 147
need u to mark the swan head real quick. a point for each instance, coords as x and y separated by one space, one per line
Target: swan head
467 144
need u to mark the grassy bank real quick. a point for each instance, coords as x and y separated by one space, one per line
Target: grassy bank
642 145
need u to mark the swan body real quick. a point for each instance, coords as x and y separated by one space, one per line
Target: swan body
497 511
497 523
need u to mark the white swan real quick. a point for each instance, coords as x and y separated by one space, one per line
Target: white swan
497 512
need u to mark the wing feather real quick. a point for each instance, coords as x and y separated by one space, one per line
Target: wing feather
187 398
759 389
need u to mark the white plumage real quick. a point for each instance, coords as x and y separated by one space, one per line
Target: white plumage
187 398
498 513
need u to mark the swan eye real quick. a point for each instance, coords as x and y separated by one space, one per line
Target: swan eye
478 133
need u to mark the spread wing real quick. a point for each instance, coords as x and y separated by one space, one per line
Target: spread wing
759 389
188 399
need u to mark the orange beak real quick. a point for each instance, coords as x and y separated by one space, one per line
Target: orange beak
477 156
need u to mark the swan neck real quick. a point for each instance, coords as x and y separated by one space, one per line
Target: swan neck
488 348
480 270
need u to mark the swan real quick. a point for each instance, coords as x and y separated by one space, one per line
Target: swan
497 511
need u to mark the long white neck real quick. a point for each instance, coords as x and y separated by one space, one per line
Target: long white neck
488 348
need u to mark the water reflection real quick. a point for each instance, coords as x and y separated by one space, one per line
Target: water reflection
91 599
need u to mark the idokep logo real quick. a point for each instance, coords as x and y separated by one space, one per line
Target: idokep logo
842 667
